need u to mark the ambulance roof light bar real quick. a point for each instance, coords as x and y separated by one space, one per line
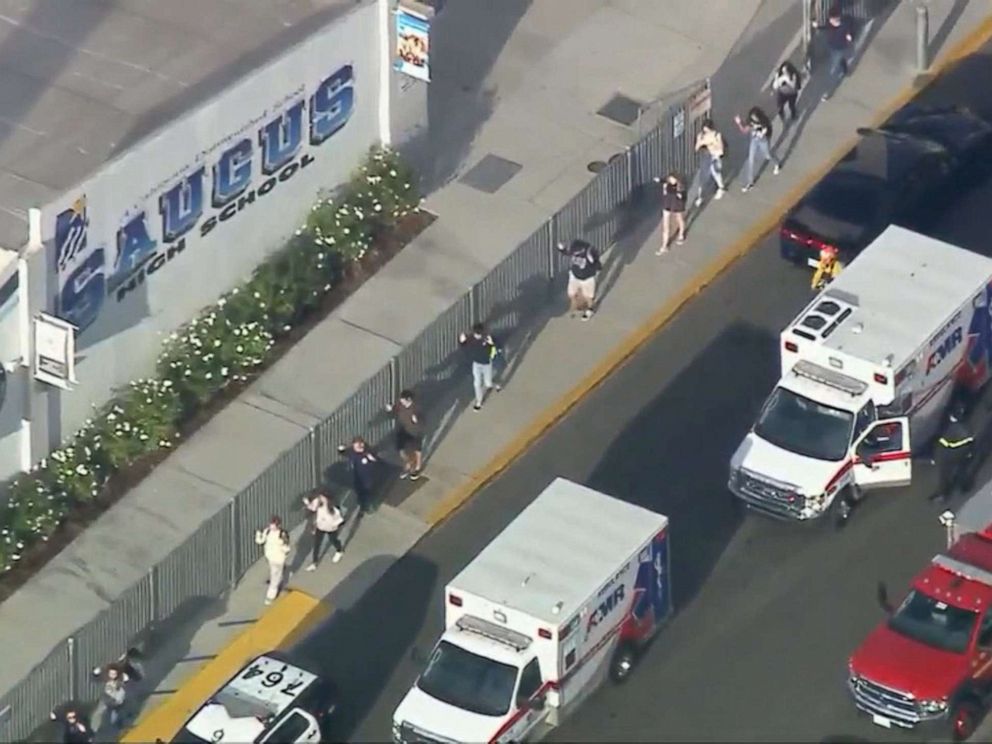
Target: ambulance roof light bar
815 372
517 641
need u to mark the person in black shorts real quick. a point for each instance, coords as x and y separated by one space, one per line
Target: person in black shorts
673 198
409 434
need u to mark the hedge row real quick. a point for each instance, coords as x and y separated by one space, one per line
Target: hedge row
224 344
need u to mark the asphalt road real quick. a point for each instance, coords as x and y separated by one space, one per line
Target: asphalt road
767 612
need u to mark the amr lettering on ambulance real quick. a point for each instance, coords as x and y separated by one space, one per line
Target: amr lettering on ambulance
206 195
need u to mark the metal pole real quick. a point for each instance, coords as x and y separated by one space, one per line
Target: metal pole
71 643
235 552
922 37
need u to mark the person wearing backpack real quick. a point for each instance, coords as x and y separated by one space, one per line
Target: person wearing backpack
327 520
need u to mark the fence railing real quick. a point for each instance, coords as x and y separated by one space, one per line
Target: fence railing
215 558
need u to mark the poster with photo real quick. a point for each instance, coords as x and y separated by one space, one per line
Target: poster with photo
413 45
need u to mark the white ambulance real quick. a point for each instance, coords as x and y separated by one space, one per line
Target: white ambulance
868 370
571 591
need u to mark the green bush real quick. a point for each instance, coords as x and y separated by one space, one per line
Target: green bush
225 343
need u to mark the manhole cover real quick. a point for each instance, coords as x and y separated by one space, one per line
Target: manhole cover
490 173
621 109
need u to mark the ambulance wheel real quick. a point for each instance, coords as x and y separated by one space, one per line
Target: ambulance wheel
623 662
841 509
965 717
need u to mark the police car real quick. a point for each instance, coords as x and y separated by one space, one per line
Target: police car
272 699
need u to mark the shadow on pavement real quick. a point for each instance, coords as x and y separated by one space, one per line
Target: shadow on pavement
369 633
669 470
467 38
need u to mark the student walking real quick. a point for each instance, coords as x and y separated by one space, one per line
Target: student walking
75 728
759 127
113 695
362 461
584 267
481 350
711 143
275 545
672 209
786 85
327 520
409 434
839 32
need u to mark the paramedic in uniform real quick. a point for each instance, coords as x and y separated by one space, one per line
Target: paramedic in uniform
953 454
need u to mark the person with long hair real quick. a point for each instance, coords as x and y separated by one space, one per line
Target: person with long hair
759 128
786 85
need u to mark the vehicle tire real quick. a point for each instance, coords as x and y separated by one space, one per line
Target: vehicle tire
622 663
838 514
965 717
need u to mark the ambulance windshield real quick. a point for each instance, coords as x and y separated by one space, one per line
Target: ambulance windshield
803 426
468 681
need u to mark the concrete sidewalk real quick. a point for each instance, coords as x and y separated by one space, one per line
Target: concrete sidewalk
562 61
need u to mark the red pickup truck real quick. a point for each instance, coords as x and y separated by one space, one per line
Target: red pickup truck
929 664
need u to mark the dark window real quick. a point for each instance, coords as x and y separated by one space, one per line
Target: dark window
815 322
883 438
290 730
530 681
985 632
864 418
828 307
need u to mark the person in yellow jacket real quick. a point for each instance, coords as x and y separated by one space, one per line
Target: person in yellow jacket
827 268
275 546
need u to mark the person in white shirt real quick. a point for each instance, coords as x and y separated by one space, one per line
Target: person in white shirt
275 545
786 85
327 519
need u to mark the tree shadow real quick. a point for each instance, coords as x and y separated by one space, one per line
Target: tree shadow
163 646
668 470
382 598
467 38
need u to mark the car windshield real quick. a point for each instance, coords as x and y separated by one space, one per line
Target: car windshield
851 198
468 681
803 426
934 623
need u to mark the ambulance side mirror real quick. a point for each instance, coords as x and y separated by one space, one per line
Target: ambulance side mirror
882 596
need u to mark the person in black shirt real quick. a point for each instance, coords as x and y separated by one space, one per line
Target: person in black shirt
362 461
75 728
839 33
759 127
481 350
584 266
673 199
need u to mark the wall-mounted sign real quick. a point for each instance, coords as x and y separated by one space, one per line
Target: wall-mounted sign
413 43
54 351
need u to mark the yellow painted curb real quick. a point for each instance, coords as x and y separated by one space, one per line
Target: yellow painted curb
281 624
748 240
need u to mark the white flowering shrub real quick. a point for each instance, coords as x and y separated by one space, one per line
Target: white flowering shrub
142 420
225 344
213 351
77 471
32 513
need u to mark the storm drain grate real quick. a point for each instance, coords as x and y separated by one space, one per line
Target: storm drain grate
621 109
490 174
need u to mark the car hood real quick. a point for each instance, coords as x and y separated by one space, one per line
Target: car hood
763 458
437 719
902 664
956 130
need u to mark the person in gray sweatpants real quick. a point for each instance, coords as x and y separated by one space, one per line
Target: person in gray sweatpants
481 350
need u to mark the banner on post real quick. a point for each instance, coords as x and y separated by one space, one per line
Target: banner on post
413 43
54 351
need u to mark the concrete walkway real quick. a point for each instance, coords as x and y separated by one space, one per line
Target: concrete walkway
532 101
